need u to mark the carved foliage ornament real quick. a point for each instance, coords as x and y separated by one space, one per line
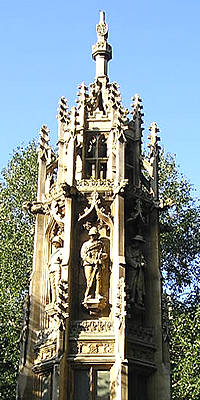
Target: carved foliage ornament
90 327
46 353
96 205
91 348
120 309
102 29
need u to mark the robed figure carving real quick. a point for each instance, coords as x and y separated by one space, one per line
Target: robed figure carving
55 267
135 271
95 262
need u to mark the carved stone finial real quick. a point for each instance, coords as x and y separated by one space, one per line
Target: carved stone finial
44 148
137 114
73 122
102 27
153 157
154 139
44 135
62 110
82 95
102 51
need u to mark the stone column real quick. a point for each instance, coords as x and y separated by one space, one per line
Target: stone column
118 280
66 276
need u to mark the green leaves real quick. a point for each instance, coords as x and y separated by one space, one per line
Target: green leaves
180 265
185 354
19 181
180 234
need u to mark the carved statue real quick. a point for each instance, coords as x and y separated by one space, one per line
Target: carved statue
135 271
54 266
96 100
94 256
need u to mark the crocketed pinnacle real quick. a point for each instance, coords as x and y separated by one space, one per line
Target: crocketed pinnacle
102 50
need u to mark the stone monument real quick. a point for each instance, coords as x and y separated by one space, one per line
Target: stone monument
93 327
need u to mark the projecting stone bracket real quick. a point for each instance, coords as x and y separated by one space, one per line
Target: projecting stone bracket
36 207
95 305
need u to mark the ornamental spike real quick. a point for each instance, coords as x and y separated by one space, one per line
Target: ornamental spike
62 110
44 149
154 139
137 114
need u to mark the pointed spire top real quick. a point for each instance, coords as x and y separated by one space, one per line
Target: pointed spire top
62 109
101 51
137 114
44 149
102 27
102 16
154 139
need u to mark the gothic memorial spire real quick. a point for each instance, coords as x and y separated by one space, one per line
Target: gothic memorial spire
93 326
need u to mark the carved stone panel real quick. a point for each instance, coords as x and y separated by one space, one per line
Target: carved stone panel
45 352
88 348
141 354
141 334
90 328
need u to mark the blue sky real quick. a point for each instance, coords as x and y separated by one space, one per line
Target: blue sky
46 53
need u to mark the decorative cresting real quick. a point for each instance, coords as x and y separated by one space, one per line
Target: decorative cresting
92 324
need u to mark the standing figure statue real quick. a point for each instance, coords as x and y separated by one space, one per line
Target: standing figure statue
94 256
135 270
55 266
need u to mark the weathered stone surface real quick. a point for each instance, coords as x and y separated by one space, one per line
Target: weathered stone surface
94 308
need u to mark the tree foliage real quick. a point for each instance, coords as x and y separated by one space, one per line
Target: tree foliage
185 352
16 246
180 265
180 238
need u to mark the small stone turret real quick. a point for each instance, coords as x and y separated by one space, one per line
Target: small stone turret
102 51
